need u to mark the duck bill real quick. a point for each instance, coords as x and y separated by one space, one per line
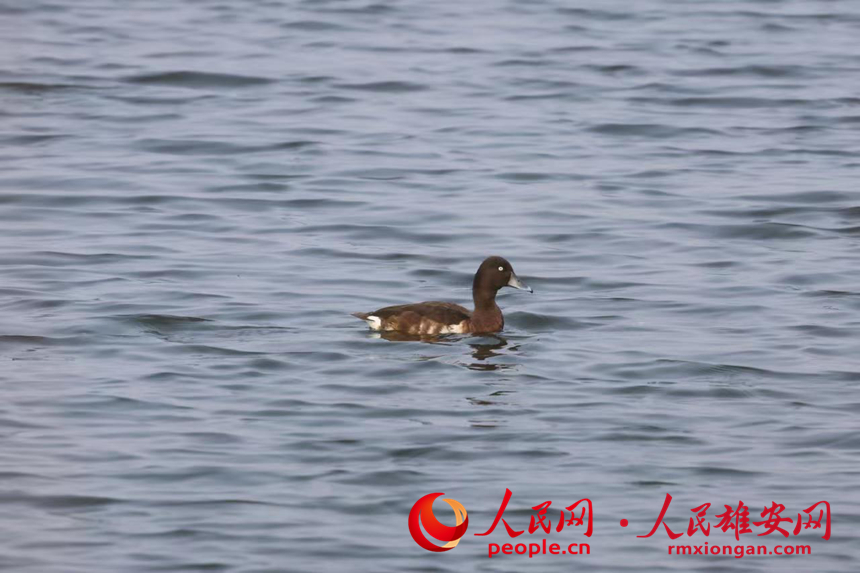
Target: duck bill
518 284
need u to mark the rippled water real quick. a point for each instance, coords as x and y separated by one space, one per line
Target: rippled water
194 196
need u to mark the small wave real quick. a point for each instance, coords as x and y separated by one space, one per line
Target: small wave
758 70
650 130
187 79
736 102
314 26
197 147
532 321
34 87
386 87
32 139
54 502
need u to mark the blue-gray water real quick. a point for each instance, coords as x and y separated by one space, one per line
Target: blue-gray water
195 195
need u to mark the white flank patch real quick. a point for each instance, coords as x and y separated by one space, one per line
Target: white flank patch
458 328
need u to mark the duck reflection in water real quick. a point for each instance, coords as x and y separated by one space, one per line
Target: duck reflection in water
483 348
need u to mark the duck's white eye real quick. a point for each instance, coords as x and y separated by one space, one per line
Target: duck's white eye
501 268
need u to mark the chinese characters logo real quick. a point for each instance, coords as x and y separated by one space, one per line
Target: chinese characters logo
738 520
432 535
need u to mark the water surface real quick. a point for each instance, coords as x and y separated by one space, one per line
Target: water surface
194 196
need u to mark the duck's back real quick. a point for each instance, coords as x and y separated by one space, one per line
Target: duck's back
427 318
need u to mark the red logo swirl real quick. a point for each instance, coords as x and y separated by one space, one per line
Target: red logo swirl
422 514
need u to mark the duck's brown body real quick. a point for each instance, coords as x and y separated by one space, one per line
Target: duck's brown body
433 318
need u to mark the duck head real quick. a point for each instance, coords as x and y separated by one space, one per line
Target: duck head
495 273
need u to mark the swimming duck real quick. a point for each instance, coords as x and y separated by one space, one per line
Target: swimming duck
432 318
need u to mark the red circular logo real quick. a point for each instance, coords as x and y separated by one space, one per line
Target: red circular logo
422 514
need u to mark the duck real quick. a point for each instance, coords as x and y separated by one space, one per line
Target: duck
433 318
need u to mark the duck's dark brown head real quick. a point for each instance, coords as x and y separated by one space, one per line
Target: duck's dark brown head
493 274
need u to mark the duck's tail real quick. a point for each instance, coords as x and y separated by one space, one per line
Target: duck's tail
372 321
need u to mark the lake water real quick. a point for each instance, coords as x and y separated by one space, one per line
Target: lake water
194 196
